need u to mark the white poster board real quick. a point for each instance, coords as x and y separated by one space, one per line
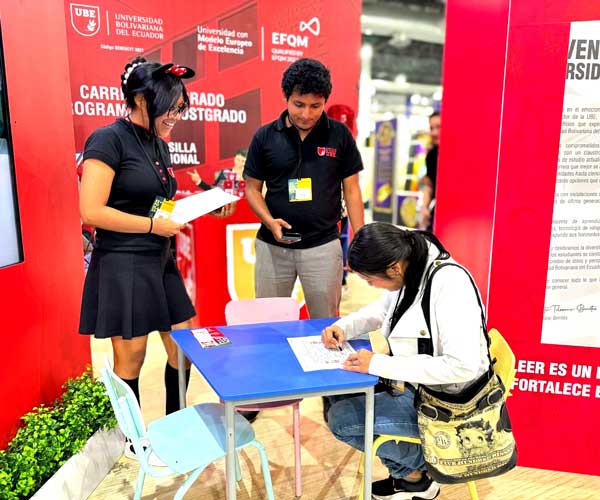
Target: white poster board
572 303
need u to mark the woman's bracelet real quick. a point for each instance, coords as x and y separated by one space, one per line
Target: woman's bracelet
151 224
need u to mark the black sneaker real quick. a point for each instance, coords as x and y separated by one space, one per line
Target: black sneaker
399 489
250 416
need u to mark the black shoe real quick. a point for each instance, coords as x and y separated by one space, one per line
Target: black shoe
250 416
399 489
326 406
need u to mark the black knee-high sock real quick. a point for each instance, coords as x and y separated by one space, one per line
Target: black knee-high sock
134 383
172 387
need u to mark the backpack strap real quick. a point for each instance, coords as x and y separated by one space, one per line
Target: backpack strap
426 345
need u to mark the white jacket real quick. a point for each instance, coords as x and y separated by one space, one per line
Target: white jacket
459 346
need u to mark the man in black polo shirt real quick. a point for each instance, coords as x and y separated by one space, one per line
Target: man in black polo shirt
305 159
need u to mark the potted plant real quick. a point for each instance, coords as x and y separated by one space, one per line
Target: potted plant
53 436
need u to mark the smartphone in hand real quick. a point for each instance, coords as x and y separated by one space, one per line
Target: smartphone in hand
290 236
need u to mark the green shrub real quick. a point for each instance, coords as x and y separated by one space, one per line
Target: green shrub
50 435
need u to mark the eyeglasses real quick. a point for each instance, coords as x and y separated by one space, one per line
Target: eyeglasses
175 111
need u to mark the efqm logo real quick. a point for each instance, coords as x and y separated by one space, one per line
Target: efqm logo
313 26
85 19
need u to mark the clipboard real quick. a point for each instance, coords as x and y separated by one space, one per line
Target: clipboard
191 207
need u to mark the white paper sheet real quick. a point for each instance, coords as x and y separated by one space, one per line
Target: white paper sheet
313 355
194 206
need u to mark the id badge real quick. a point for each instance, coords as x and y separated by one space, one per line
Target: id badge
162 208
300 189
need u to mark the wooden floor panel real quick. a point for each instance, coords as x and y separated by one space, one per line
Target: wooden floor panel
329 468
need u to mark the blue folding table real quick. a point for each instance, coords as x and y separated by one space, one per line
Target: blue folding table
260 366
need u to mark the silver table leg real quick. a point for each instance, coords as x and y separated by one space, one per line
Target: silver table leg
181 374
369 420
230 449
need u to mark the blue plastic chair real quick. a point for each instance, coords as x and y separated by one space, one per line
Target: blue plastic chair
186 441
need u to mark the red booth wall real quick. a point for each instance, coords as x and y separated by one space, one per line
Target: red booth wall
41 295
504 78
239 50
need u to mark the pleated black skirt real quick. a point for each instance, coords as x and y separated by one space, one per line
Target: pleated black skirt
130 294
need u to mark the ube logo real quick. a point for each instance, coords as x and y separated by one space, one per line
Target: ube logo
85 19
331 152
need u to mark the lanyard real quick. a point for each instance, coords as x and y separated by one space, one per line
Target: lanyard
167 176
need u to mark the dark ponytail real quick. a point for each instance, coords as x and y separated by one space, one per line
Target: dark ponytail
378 246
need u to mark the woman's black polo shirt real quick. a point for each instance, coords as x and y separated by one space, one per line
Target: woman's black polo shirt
143 171
327 155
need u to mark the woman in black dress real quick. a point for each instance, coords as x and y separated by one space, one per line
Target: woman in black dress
133 286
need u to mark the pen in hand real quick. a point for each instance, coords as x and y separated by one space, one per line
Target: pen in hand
333 338
338 342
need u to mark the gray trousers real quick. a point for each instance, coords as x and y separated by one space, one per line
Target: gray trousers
319 269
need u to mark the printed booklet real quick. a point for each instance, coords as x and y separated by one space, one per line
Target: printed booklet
210 337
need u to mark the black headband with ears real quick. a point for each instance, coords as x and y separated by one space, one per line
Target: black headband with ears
173 69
